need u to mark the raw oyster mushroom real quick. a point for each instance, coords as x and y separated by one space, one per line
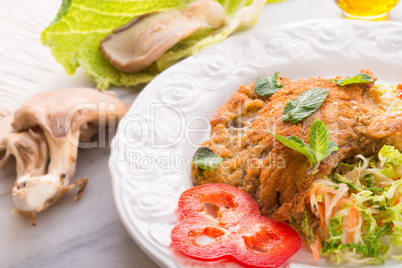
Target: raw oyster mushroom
135 45
47 127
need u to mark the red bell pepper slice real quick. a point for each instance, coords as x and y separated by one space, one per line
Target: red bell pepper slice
220 221
399 93
399 90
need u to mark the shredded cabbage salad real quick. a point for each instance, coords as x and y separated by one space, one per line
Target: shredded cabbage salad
390 99
354 215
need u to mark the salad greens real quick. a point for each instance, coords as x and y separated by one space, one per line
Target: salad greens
355 220
80 25
333 243
389 156
320 146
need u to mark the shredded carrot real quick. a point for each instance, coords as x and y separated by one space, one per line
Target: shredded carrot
316 247
379 222
352 222
398 199
321 213
323 190
312 190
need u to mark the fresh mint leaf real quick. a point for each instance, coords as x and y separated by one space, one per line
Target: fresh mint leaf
304 105
320 146
267 86
359 78
332 146
298 145
205 158
319 140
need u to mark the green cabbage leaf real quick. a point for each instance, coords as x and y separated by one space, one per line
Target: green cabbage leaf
80 25
333 243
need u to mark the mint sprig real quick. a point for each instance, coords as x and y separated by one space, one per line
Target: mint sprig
297 144
359 78
319 140
320 146
304 105
267 86
206 159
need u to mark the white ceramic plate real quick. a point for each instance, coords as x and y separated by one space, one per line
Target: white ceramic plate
150 166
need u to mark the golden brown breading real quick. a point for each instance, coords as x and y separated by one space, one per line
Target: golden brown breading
274 175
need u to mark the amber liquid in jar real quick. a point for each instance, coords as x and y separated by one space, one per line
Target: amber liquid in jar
366 9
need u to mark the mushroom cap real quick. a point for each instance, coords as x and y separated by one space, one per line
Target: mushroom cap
28 147
76 109
137 44
30 151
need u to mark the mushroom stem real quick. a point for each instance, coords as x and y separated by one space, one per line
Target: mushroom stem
63 164
81 184
39 192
